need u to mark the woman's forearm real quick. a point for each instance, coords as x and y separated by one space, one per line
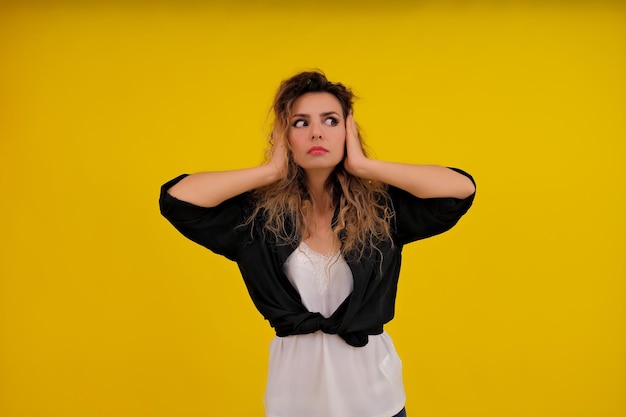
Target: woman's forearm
424 181
208 189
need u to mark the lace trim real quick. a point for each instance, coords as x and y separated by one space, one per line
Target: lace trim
319 265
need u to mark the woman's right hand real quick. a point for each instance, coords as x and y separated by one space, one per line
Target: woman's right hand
208 189
278 158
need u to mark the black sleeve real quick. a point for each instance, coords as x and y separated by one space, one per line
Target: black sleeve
419 218
214 228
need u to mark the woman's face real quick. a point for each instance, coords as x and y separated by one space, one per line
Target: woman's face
317 132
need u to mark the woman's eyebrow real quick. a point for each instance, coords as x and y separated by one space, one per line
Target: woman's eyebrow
328 113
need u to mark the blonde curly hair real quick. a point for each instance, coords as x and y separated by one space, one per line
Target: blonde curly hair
363 209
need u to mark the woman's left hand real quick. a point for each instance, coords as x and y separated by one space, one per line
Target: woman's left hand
355 160
423 181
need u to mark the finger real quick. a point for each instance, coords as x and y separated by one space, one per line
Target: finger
350 128
352 133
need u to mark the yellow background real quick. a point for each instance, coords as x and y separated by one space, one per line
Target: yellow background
106 311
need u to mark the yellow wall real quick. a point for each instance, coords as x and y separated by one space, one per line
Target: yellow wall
105 311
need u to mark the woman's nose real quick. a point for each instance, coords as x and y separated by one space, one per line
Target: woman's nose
316 132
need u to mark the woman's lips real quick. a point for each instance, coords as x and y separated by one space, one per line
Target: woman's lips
317 150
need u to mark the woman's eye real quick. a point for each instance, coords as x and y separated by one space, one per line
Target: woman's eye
299 123
331 121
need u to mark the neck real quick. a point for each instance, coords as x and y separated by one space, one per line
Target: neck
317 190
318 233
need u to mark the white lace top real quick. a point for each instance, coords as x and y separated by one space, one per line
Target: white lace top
319 374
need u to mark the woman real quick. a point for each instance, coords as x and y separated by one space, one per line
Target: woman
317 232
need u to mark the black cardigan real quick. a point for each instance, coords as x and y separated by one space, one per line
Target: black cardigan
260 260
